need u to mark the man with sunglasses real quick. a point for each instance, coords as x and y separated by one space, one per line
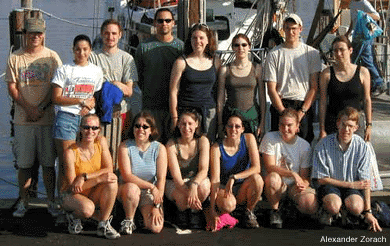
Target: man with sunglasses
155 58
29 74
291 73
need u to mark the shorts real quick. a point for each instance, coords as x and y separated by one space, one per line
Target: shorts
146 198
343 193
66 126
235 189
170 187
34 142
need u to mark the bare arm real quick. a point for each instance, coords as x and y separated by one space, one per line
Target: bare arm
33 112
360 185
311 94
275 97
203 166
221 94
59 99
365 77
173 165
262 103
324 80
215 172
177 71
369 217
253 156
126 88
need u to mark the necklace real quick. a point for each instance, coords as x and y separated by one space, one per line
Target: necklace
242 67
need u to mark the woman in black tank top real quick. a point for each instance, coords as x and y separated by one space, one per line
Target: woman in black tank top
193 79
341 85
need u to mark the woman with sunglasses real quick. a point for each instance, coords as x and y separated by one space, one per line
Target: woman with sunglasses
193 78
73 88
143 168
188 163
239 82
89 181
341 85
235 175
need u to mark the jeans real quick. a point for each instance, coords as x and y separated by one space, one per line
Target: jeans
366 59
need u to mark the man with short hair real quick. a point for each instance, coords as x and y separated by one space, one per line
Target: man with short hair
342 169
291 73
118 68
366 49
155 58
29 73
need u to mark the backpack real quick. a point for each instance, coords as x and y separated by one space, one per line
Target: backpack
381 211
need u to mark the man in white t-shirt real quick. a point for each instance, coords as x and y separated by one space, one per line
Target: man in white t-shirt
286 158
291 73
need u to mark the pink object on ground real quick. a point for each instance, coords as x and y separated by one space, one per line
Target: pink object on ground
225 220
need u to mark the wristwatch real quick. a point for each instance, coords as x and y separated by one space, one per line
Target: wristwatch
232 177
85 176
368 211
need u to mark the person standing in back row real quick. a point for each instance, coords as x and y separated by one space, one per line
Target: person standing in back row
29 72
155 58
291 73
118 68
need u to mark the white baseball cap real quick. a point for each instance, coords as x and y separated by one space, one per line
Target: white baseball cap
294 17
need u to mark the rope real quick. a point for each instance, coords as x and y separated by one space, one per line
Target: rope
61 19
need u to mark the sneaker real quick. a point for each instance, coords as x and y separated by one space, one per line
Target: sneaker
195 220
326 218
275 219
74 225
105 229
20 209
127 226
250 219
378 91
53 209
182 219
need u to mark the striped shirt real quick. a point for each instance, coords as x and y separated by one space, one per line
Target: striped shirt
143 163
330 161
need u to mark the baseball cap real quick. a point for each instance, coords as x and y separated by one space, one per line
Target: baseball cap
294 17
34 25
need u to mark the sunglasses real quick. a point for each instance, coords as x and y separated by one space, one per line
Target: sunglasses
160 21
234 126
198 25
143 126
238 45
90 127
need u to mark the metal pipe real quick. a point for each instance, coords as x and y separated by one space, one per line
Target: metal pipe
26 4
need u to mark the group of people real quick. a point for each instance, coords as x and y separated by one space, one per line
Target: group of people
210 120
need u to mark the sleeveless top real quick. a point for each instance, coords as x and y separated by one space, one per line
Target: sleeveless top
189 166
91 166
143 163
234 164
196 87
343 94
241 90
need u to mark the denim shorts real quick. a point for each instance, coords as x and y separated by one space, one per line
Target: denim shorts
66 126
343 193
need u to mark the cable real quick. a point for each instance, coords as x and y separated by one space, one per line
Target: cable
61 19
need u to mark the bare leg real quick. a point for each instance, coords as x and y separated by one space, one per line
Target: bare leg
105 195
129 195
274 189
24 179
61 146
250 191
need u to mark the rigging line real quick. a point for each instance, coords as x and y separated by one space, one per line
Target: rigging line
61 19
14 184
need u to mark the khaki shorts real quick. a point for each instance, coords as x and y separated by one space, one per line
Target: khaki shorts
34 142
146 198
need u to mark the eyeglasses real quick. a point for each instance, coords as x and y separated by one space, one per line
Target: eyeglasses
90 127
161 21
143 126
238 45
234 126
